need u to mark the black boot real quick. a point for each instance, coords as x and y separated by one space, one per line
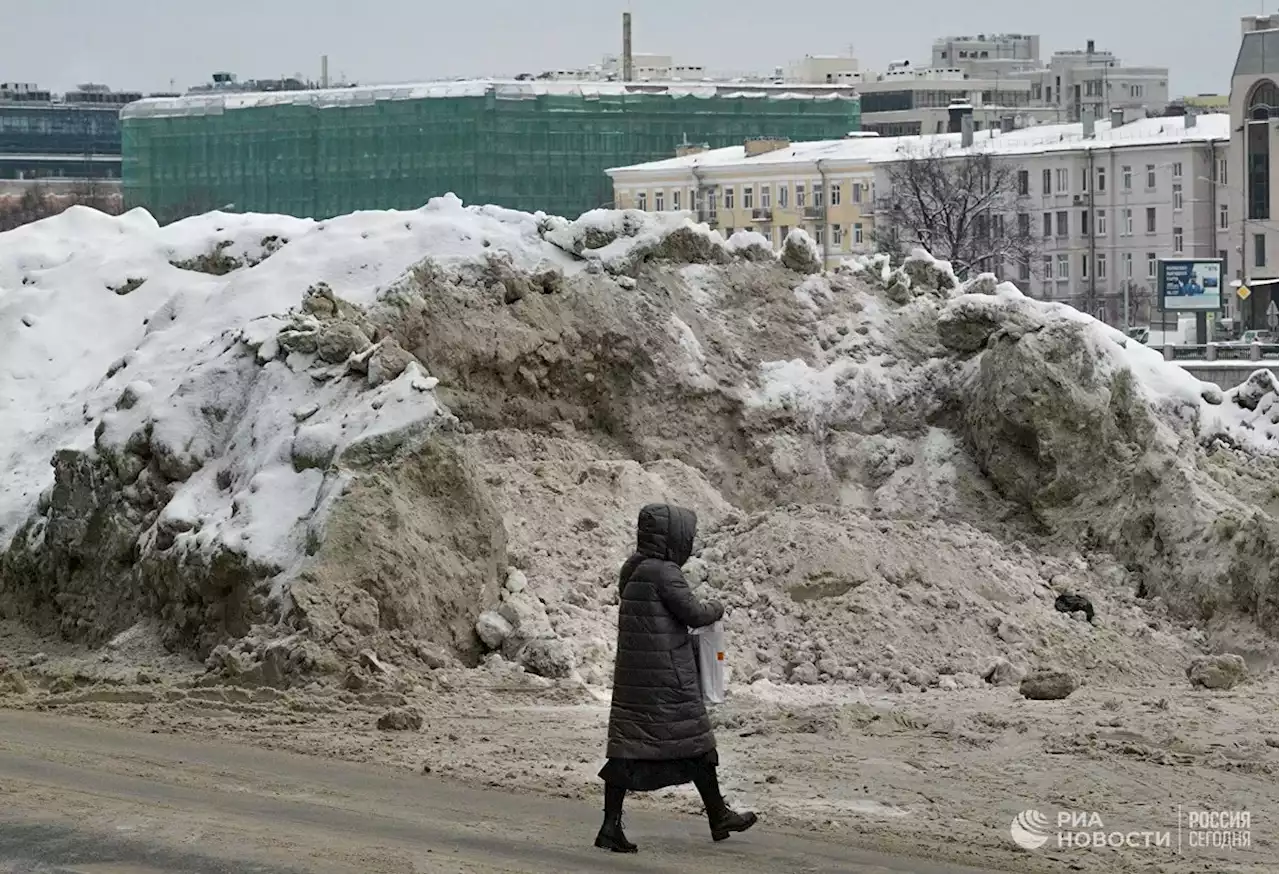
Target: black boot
611 837
723 821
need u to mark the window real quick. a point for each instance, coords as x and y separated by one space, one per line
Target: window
1084 222
1151 265
728 198
817 233
1100 223
748 197
1084 265
1177 169
1128 223
1084 178
1259 122
660 201
1151 220
818 195
997 226
1222 171
1151 177
837 236
728 232
1024 182
1061 179
857 232
642 201
1046 181
1046 265
1024 269
675 200
1100 268
766 197
1048 224
1259 250
1177 241
835 199
1177 195
1062 223
784 230
1127 259
1222 256
1064 267
1102 178
1224 219
799 196
783 191
855 188
1024 224
1126 174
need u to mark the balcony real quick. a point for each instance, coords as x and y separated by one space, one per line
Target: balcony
762 214
814 213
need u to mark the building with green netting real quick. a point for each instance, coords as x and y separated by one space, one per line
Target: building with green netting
519 144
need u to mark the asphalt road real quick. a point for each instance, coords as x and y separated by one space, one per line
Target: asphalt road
88 798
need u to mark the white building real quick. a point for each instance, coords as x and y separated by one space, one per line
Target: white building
1106 202
987 56
1106 205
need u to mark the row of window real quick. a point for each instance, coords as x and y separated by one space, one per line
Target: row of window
1058 180
853 235
763 196
1058 268
1057 224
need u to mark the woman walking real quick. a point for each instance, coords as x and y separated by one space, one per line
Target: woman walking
659 733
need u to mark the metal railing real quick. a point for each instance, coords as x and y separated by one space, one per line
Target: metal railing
762 214
1223 352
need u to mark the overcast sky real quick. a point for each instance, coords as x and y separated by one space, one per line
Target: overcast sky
146 44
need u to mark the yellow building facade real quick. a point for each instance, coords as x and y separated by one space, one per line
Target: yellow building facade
766 186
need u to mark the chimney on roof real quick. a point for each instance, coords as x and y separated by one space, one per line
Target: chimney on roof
1117 118
966 130
1006 124
764 145
626 47
1189 119
1088 46
1086 123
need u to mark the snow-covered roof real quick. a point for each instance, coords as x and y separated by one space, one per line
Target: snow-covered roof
504 89
1024 141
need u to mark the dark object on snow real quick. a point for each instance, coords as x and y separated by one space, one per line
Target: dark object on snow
1047 685
1069 604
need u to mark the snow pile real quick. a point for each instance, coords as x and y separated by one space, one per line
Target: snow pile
325 446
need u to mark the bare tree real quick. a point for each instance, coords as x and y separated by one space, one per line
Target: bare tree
969 209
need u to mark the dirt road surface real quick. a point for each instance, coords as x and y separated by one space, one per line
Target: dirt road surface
93 799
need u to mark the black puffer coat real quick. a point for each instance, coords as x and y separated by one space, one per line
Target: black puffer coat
657 708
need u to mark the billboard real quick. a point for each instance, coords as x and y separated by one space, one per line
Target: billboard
1190 284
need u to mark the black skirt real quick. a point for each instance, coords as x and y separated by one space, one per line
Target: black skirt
646 775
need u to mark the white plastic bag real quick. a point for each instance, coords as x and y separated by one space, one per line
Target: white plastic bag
712 671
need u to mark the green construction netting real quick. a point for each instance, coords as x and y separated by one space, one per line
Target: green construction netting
544 153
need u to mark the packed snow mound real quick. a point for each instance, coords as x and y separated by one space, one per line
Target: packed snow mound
335 446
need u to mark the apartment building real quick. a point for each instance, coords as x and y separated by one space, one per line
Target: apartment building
1250 178
987 55
1108 200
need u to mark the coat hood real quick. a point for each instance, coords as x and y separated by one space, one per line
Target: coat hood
666 532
